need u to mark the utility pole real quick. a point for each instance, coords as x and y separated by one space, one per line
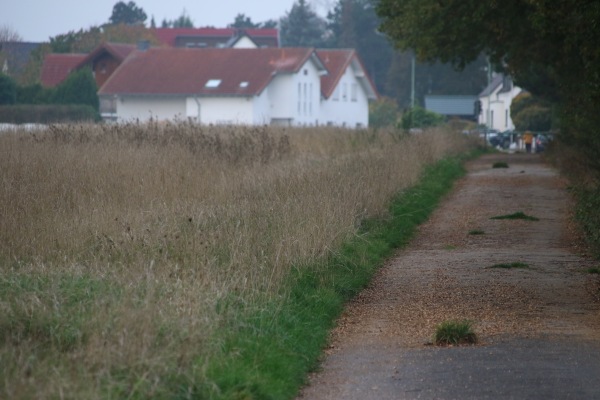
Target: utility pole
412 83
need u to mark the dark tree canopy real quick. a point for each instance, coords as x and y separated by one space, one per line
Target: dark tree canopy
242 22
550 47
302 27
127 13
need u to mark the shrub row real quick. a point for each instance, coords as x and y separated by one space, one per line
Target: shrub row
47 114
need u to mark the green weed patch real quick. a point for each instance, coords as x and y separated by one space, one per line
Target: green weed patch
517 215
476 232
454 333
514 265
500 164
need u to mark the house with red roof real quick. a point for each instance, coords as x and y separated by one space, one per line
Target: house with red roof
346 89
217 37
248 86
218 86
103 61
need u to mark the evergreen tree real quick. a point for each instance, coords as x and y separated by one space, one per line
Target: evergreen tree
8 90
79 88
302 27
243 22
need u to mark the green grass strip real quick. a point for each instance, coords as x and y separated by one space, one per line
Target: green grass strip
517 215
271 353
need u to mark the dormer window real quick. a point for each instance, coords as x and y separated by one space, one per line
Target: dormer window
212 83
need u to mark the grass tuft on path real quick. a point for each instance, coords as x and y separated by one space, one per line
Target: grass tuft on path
517 265
453 333
516 215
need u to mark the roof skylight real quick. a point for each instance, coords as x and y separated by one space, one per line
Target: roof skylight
212 83
244 84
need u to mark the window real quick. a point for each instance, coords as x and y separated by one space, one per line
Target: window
344 91
354 92
299 98
244 84
212 83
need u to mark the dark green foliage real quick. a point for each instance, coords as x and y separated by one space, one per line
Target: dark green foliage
500 164
8 90
517 215
79 88
47 114
476 232
127 13
383 112
241 21
594 270
271 352
549 47
454 333
34 94
588 204
419 117
510 265
302 27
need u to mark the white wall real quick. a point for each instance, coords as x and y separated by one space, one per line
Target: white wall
495 109
144 108
343 108
296 97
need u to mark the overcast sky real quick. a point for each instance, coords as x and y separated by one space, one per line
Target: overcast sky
38 20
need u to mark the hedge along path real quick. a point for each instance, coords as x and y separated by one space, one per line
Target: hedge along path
445 274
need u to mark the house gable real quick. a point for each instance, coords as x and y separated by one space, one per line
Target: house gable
57 67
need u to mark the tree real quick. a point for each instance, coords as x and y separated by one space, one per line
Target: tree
302 27
418 117
127 13
354 24
79 88
8 90
383 112
243 22
530 113
8 34
548 46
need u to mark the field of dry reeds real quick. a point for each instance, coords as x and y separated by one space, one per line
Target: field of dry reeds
122 247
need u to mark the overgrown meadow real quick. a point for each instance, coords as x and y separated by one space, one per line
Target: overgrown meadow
129 252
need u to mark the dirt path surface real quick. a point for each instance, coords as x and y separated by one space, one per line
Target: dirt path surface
538 327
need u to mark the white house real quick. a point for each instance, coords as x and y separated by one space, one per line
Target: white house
346 89
218 86
495 100
248 86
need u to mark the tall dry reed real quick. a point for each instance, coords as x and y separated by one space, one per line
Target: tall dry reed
126 247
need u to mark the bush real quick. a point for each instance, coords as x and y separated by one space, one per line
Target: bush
8 90
47 114
383 112
419 117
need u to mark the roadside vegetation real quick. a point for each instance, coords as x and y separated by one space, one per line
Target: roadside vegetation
454 333
174 261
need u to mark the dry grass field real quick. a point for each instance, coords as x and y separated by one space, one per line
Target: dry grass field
126 249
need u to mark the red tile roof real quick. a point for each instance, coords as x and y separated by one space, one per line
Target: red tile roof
56 67
168 36
180 71
337 61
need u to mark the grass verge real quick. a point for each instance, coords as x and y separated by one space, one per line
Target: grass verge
516 215
454 333
270 354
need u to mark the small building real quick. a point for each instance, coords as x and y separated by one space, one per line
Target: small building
452 106
495 100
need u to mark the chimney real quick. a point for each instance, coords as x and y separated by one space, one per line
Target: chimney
143 45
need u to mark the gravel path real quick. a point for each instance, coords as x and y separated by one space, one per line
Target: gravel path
538 327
